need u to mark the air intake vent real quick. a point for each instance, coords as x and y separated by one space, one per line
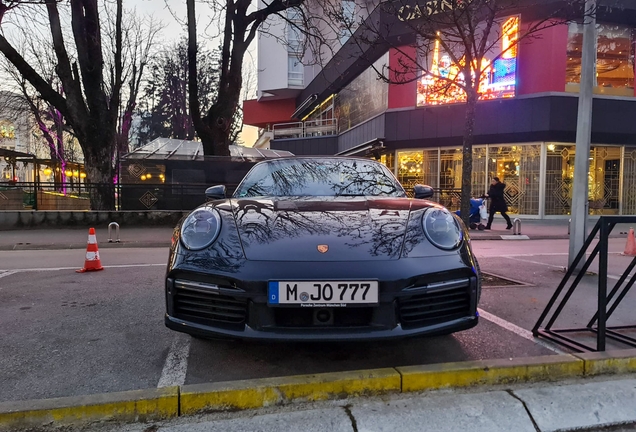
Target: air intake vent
434 307
207 307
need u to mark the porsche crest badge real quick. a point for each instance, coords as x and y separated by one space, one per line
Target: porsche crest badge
323 248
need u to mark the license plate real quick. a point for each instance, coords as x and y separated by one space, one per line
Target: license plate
321 294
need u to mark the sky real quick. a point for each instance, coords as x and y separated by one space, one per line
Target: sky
172 13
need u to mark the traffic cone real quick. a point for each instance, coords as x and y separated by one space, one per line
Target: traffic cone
92 262
630 247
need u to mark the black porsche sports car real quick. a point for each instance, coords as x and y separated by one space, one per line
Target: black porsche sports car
325 248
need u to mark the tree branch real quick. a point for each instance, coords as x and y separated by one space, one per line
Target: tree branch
44 88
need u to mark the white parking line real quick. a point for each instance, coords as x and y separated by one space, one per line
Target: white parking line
514 257
526 334
176 366
6 273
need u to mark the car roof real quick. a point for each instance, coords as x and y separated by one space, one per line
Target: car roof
356 158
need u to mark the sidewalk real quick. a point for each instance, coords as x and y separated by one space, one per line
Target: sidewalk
75 238
597 403
583 404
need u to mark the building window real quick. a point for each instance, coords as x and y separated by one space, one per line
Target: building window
365 97
629 181
603 179
614 59
295 71
519 167
295 46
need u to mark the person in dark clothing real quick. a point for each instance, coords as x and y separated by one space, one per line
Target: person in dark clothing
497 202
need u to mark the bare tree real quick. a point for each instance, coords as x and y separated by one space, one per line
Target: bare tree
164 104
91 81
239 25
47 120
139 36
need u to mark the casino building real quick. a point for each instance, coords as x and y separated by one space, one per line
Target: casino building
526 119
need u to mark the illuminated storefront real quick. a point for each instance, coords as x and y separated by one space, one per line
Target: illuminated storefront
529 190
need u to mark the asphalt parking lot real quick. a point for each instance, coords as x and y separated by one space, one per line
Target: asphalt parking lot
68 334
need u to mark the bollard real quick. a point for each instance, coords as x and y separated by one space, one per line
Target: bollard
110 227
569 223
516 230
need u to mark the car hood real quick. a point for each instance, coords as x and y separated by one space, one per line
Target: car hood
300 229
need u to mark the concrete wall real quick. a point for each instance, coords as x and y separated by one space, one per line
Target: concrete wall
34 219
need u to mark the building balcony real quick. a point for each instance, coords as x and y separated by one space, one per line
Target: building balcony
312 128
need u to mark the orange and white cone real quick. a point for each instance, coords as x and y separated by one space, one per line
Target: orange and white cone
92 262
630 247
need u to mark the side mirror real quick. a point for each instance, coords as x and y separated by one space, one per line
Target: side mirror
422 192
215 192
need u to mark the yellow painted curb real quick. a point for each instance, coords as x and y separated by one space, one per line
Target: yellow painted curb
273 391
136 405
465 374
609 362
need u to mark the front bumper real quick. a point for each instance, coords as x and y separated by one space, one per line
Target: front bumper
320 335
221 305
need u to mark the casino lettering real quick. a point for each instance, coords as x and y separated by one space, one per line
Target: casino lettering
432 7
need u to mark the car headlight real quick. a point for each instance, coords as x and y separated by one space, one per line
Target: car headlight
200 228
441 228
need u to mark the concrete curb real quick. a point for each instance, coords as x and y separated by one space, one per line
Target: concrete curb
489 372
130 406
278 391
155 404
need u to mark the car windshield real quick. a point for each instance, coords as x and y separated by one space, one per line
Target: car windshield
319 177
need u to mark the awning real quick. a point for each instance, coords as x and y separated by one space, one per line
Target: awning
374 148
15 154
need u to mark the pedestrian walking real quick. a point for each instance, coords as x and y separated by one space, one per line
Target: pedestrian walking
497 202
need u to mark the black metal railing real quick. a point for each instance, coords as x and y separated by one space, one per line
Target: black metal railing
76 195
598 323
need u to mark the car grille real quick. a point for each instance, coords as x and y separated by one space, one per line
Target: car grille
434 307
195 304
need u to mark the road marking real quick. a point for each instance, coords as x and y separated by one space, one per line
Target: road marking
533 262
176 366
72 268
558 266
526 334
7 273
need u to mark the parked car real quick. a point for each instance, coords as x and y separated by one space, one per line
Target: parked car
325 248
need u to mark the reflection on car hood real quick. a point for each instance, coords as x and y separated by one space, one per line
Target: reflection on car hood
353 229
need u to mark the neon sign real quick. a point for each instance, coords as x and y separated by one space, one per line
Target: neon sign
498 78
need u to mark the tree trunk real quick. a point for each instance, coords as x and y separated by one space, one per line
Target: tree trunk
219 123
467 154
98 163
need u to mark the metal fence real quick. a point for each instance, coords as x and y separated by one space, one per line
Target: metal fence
133 196
582 339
